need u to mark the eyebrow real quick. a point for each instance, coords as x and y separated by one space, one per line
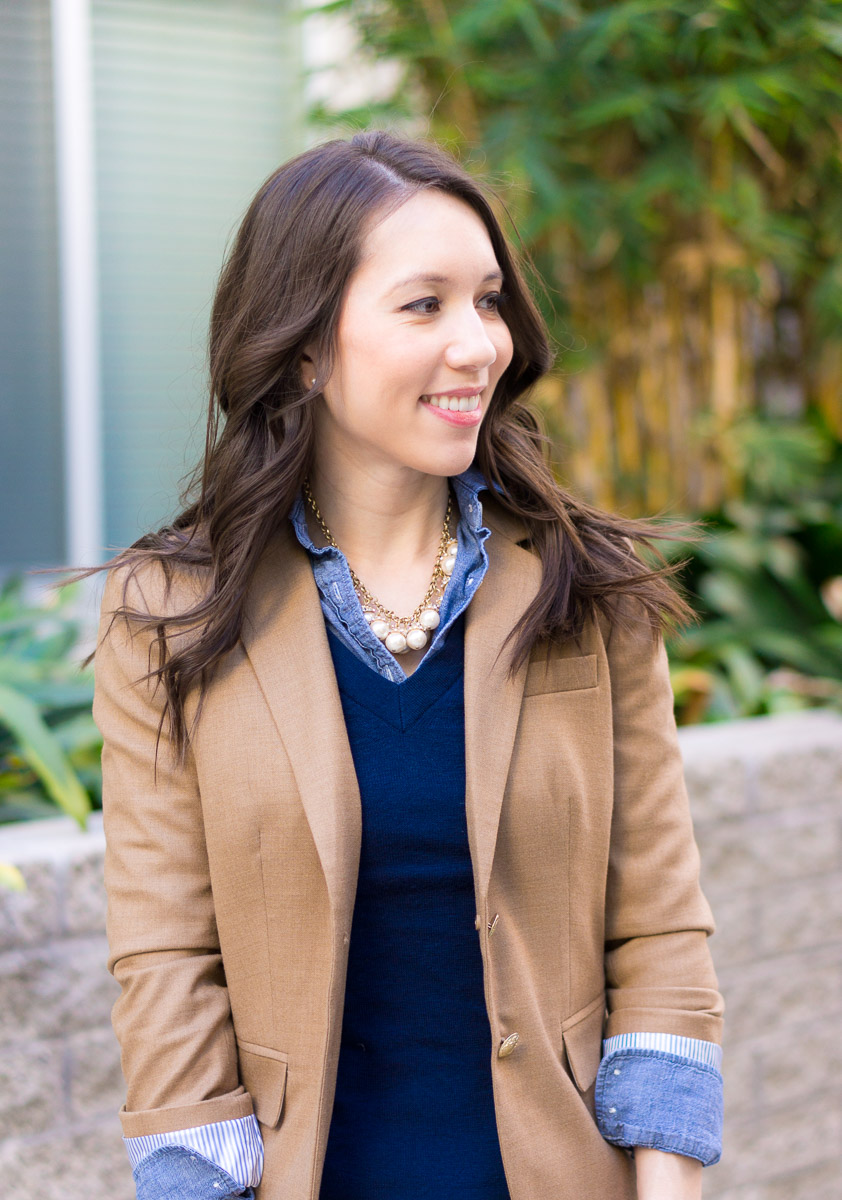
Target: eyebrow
422 277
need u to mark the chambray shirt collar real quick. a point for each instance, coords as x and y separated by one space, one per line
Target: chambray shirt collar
341 605
467 487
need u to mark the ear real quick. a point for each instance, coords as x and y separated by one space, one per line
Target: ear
308 370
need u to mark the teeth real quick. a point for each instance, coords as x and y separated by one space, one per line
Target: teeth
453 403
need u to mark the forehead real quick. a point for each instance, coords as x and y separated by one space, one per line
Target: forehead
431 233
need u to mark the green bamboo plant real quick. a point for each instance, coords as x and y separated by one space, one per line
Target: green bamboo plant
674 169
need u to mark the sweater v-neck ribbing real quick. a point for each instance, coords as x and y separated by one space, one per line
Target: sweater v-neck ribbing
400 705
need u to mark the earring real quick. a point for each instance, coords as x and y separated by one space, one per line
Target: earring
312 383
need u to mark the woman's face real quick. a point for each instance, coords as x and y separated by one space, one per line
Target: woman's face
420 318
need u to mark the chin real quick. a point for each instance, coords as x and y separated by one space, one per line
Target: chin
446 465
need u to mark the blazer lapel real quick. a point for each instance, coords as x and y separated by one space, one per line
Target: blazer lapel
285 638
492 700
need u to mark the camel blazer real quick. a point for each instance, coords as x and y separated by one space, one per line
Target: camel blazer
231 880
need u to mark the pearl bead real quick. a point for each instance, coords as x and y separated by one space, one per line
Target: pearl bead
416 639
380 629
369 615
396 642
452 546
429 619
448 564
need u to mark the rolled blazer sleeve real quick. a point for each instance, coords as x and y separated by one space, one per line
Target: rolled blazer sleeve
172 1018
659 972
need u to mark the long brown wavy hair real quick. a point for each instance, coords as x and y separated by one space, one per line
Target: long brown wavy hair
282 288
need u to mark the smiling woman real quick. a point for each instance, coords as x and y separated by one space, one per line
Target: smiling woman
396 913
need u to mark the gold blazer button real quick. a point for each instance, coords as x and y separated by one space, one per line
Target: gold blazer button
508 1044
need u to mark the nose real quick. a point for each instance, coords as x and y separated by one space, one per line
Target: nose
469 346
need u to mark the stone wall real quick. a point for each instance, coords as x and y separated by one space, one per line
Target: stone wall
766 796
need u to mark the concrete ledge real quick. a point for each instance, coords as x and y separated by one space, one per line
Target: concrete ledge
58 839
753 765
62 867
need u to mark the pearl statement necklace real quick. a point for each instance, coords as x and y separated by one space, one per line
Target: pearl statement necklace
400 634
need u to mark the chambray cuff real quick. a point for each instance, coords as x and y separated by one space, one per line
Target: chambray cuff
648 1097
178 1171
234 1147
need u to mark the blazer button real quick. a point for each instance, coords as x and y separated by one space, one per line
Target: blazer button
476 921
508 1044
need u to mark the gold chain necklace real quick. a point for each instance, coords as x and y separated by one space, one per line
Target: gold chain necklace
400 634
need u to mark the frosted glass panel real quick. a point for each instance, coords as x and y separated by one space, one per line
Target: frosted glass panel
31 485
196 102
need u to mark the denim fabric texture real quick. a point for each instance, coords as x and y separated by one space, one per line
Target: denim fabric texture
654 1098
667 1100
343 611
176 1173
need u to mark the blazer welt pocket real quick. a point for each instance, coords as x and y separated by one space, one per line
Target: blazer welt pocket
263 1072
582 1037
560 674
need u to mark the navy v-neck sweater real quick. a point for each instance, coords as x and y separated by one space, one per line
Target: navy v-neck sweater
413 1117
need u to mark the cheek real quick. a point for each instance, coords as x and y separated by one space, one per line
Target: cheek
378 352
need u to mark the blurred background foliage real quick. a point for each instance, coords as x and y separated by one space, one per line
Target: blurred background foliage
49 744
766 581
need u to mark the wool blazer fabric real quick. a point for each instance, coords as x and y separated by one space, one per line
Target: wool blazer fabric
231 878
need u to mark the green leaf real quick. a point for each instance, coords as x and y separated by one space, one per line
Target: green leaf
24 806
828 33
44 753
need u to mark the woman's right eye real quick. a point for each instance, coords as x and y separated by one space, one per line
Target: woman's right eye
414 307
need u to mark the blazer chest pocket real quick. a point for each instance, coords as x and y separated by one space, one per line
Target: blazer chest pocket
263 1072
560 674
582 1038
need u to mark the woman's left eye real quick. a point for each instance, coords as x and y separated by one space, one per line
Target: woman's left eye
496 298
416 306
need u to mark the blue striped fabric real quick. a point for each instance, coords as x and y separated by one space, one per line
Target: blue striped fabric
234 1146
701 1051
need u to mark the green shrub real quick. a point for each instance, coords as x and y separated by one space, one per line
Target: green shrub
767 581
49 744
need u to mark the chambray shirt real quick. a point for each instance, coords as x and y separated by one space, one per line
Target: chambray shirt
652 1089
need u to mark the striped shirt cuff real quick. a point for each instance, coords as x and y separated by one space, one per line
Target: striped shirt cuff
673 1043
235 1146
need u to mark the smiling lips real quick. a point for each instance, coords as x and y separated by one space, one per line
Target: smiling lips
456 410
453 403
